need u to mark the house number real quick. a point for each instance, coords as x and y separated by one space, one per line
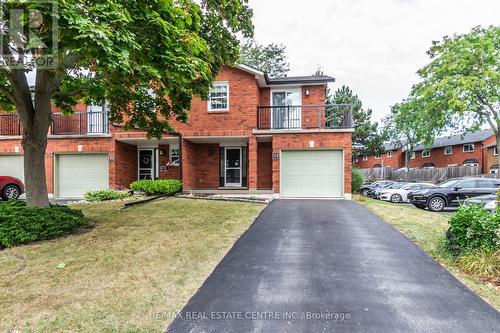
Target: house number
276 156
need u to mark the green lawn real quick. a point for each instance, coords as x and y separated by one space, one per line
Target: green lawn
129 273
428 229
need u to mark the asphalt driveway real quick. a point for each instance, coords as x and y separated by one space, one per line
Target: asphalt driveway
320 265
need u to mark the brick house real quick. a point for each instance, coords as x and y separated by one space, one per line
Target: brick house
456 150
393 157
254 134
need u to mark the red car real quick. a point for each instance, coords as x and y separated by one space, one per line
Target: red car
10 187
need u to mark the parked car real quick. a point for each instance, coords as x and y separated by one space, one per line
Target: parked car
367 187
452 192
401 194
11 188
375 193
489 201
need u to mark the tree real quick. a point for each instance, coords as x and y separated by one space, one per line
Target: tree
406 127
138 56
268 58
460 87
366 139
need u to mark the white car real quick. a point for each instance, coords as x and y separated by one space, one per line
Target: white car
401 194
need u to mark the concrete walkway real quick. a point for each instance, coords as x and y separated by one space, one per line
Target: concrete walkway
320 265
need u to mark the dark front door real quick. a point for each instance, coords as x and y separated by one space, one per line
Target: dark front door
146 164
233 167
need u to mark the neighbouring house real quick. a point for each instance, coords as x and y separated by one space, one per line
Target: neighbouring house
457 150
492 158
254 134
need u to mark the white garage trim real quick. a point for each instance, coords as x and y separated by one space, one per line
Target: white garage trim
342 173
80 175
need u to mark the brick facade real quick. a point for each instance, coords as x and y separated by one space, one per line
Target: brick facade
201 139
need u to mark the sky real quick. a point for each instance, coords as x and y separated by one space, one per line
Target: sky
373 46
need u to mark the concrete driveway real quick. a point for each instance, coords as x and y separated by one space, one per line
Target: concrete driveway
320 265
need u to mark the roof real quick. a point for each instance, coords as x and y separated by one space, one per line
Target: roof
265 80
458 139
392 146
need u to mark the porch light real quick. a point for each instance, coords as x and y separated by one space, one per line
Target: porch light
162 152
307 92
211 151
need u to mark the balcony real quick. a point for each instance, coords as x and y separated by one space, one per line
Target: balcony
78 123
304 117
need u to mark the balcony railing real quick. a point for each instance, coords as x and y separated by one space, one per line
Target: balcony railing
296 117
78 123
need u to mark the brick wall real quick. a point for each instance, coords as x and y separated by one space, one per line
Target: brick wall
124 168
172 171
264 165
200 166
396 161
321 140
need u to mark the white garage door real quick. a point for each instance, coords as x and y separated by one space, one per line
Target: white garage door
12 165
312 174
77 174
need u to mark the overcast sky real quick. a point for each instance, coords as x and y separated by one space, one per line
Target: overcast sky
375 47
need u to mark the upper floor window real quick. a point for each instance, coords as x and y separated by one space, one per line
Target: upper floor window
377 156
389 153
412 155
426 153
448 150
468 147
365 157
219 97
495 151
174 154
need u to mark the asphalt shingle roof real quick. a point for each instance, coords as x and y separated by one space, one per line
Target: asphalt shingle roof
458 139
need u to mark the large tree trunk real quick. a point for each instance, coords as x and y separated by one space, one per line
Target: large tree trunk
498 148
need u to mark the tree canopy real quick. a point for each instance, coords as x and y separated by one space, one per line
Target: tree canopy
460 87
366 138
139 56
268 58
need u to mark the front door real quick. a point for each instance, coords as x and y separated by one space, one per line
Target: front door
233 167
146 164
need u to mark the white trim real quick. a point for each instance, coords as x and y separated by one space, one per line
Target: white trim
365 157
450 153
413 155
155 161
249 69
170 148
226 184
469 144
495 151
286 89
389 153
428 151
226 83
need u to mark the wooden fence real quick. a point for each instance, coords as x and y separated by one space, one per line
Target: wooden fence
433 175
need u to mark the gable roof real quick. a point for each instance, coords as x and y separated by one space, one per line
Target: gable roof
458 139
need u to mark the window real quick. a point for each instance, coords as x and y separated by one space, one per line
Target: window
487 183
377 156
494 169
471 163
468 147
452 165
426 153
448 150
467 184
174 154
365 157
495 151
389 153
412 155
219 97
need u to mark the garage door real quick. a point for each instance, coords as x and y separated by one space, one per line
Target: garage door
77 174
312 174
12 165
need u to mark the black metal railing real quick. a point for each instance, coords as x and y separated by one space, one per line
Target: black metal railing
289 117
78 123
10 124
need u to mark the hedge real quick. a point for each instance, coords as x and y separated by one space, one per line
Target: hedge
22 224
103 195
157 187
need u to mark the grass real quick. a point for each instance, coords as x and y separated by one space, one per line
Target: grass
427 230
130 273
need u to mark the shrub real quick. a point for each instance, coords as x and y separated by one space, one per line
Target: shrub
357 180
22 224
473 227
161 186
481 262
102 195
